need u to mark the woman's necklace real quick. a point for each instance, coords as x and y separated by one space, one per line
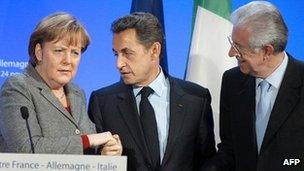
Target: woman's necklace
62 96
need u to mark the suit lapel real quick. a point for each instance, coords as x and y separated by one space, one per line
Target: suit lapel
177 115
46 91
128 110
47 94
246 119
75 98
287 98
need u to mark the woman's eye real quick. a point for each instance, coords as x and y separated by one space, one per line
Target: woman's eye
58 50
76 53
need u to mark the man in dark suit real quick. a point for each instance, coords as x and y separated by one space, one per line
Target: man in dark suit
261 108
164 123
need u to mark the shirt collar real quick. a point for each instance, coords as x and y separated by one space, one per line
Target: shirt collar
158 85
276 77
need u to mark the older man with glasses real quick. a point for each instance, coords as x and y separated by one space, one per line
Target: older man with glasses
262 109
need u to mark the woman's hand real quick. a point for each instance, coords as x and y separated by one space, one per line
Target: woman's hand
112 147
99 139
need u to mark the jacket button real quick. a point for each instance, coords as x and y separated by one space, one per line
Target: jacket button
77 131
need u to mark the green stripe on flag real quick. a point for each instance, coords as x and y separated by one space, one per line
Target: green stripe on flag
219 7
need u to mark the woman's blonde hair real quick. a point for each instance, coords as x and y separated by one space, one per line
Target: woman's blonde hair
55 27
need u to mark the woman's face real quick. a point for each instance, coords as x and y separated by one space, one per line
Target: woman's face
57 62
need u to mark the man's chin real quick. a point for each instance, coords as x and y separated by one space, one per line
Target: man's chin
127 81
244 71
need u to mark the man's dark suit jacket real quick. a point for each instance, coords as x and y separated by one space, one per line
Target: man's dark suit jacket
284 136
190 136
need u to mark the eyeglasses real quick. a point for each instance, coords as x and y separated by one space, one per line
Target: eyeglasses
235 47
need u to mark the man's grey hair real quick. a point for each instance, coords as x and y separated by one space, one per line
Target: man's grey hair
264 23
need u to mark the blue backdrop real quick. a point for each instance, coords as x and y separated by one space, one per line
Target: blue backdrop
97 68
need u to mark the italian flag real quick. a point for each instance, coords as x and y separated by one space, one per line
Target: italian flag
208 56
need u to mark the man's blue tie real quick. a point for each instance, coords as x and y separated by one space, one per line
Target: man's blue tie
262 114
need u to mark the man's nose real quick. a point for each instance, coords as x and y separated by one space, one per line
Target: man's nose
233 52
119 62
